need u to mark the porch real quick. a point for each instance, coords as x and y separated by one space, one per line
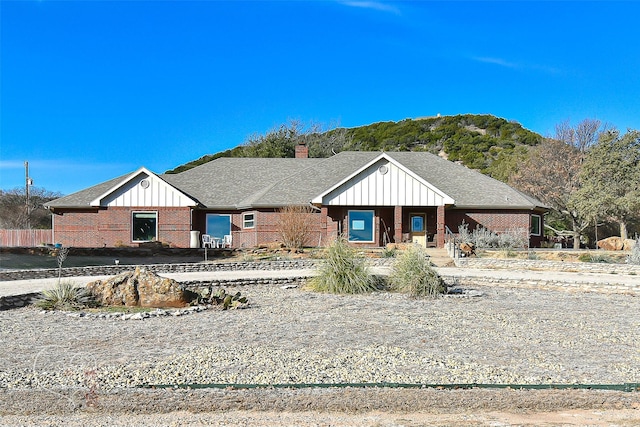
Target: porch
378 226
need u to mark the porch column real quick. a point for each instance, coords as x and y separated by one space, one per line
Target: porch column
331 227
440 227
397 224
324 223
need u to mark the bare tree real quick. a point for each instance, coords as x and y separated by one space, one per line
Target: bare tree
16 214
551 173
295 225
582 136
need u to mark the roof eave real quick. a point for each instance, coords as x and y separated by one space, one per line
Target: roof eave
498 207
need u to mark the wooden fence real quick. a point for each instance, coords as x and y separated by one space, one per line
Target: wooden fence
25 238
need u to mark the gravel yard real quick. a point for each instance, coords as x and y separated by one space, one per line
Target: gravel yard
505 336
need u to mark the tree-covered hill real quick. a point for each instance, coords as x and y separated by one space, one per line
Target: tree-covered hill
483 142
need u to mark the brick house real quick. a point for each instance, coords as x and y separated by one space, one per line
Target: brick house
372 198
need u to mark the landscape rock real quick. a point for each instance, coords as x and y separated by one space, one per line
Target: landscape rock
398 246
468 249
141 288
629 244
613 243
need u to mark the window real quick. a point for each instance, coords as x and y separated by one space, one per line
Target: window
248 220
361 226
536 225
144 226
218 225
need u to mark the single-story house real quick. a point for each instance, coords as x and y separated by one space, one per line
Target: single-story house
372 198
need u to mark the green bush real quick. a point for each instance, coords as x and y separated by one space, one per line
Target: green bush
389 252
595 257
343 271
66 296
413 274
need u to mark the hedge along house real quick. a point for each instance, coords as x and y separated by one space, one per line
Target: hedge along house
371 198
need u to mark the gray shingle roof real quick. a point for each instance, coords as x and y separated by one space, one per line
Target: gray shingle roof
242 183
231 182
83 198
469 188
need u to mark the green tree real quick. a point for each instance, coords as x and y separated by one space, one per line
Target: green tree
610 180
279 142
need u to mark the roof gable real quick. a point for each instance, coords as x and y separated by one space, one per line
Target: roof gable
143 188
383 181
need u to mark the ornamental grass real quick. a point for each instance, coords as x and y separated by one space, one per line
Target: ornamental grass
412 274
343 271
66 296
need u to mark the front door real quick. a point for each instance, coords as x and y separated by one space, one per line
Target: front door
419 229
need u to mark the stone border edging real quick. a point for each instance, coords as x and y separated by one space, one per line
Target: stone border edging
17 301
544 284
531 264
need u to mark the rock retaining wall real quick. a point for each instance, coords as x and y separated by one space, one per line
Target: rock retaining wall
17 301
112 270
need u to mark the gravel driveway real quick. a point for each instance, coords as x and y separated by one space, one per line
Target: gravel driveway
516 336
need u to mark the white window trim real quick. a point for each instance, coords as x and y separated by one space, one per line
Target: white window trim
157 226
373 228
539 233
244 220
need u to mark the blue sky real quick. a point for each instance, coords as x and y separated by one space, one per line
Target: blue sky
91 90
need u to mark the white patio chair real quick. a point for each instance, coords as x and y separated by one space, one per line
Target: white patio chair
226 241
206 241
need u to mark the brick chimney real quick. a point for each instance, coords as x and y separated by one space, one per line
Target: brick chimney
302 151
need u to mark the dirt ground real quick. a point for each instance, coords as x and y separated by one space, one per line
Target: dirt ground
319 407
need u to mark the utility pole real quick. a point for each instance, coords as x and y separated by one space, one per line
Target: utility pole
28 183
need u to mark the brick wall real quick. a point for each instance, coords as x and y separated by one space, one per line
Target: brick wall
494 220
112 227
268 229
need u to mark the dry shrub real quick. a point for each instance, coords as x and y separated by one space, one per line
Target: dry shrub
295 225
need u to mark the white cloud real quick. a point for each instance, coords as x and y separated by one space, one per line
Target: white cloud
516 66
496 61
374 5
11 164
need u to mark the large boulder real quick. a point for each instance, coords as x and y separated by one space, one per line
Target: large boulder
613 243
140 288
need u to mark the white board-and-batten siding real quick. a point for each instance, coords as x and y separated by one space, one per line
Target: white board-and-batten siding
157 194
396 187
